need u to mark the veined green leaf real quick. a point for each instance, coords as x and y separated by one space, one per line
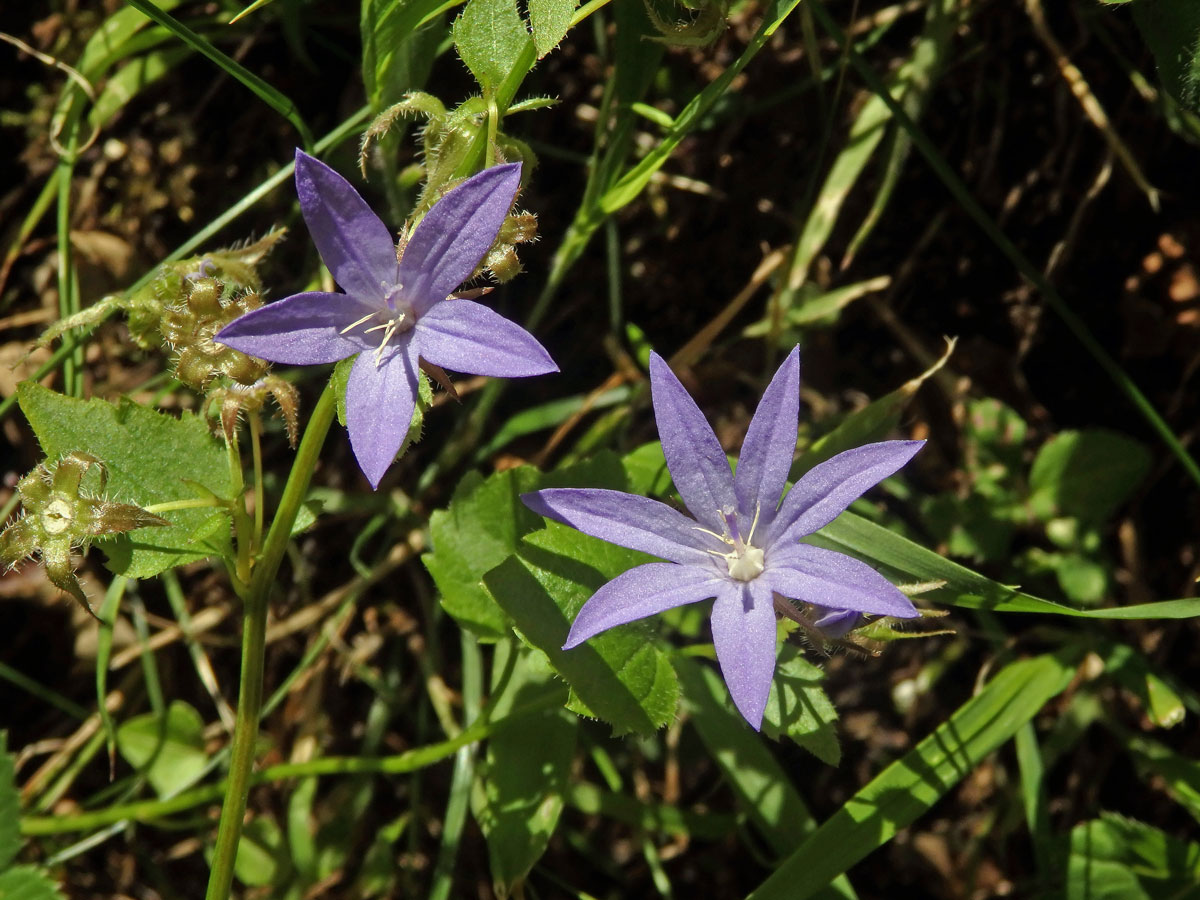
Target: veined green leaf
1114 858
148 455
10 806
523 780
27 883
549 20
171 749
620 676
490 36
909 786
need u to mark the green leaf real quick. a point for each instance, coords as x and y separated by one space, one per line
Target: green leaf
148 455
484 525
262 857
171 750
490 36
399 39
550 20
10 806
1086 474
135 75
907 562
1171 28
526 769
1122 859
27 883
799 707
620 676
912 784
1160 766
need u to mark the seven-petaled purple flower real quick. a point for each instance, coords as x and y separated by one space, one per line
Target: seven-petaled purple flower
392 312
741 546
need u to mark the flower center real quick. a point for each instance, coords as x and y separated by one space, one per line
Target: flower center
57 516
394 318
745 561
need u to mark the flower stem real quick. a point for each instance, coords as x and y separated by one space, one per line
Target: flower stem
256 453
254 635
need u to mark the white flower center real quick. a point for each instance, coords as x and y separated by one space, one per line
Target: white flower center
394 318
57 516
745 561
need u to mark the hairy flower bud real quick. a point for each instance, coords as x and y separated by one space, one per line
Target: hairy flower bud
238 398
60 515
188 328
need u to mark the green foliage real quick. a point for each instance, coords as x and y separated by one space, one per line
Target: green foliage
16 882
168 749
1171 28
523 781
1086 475
799 707
490 36
151 458
1115 858
549 21
620 676
913 783
484 526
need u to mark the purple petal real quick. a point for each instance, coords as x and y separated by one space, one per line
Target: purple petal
825 490
355 245
379 407
766 456
468 337
743 628
455 234
831 579
300 330
627 520
697 463
641 591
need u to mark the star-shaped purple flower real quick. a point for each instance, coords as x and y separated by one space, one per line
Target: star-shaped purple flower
742 545
393 312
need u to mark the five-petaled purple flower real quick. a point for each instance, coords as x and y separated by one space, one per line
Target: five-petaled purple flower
392 312
741 546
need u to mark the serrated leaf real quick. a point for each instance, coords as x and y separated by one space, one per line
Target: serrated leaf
27 883
550 20
10 806
525 771
171 749
148 456
489 36
799 708
484 525
1086 474
620 675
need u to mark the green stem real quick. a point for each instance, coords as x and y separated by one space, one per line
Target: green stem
68 303
256 454
254 639
194 503
401 764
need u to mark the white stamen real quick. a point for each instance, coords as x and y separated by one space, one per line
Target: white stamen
356 323
745 561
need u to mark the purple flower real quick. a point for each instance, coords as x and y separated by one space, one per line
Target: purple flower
392 312
741 546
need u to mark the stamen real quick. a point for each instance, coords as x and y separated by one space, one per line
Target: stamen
357 322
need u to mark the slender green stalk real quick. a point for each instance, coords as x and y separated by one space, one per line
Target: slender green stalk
254 640
401 764
68 301
256 454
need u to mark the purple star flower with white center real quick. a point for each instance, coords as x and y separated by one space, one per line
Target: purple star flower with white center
742 545
393 310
